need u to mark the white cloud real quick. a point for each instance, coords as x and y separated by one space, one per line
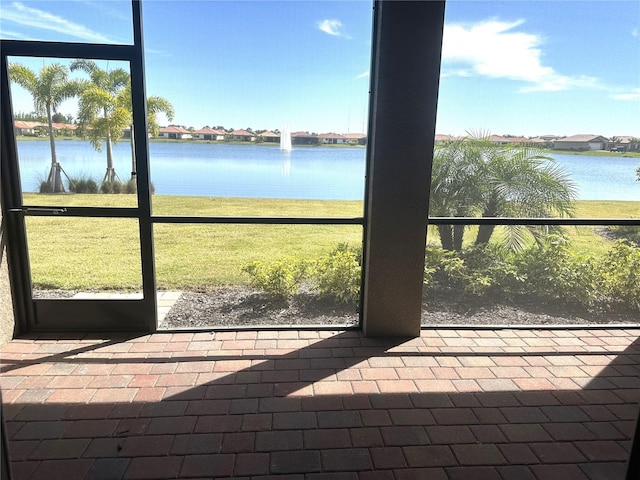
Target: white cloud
493 48
634 32
633 95
35 18
9 34
455 73
118 9
332 27
363 74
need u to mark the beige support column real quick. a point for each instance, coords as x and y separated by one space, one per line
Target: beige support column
405 77
7 321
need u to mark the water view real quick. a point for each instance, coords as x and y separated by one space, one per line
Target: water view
260 171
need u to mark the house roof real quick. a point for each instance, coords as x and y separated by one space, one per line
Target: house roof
588 137
500 138
25 125
242 133
173 130
269 133
443 138
303 134
354 136
64 126
209 131
331 135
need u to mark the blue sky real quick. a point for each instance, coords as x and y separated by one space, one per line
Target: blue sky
509 67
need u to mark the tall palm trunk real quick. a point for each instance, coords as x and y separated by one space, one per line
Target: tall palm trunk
451 237
110 175
486 231
458 235
54 180
446 236
484 234
132 141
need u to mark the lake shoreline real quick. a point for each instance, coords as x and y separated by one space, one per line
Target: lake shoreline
201 168
594 153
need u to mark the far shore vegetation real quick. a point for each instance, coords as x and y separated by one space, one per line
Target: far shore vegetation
590 153
193 140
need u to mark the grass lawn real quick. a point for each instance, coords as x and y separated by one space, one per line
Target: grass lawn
584 239
81 253
94 253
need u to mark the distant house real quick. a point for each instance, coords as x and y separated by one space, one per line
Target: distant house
31 128
500 140
543 141
355 138
175 133
439 138
624 143
242 136
304 138
209 134
581 142
548 137
497 140
269 137
26 128
540 142
332 139
65 128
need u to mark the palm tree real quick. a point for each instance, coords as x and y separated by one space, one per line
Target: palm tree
155 106
48 89
454 189
101 116
474 177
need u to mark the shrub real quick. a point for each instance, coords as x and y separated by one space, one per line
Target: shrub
552 271
619 275
627 232
548 270
130 186
442 268
83 185
45 187
336 275
279 279
477 270
111 187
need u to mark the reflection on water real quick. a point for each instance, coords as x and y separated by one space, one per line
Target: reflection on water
286 162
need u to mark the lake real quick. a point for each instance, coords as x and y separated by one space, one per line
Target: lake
323 173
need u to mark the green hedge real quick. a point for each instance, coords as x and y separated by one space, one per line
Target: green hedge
335 275
549 271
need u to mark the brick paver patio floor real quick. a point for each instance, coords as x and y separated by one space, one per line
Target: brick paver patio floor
315 405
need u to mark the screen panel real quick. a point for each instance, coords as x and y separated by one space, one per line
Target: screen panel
252 275
267 111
